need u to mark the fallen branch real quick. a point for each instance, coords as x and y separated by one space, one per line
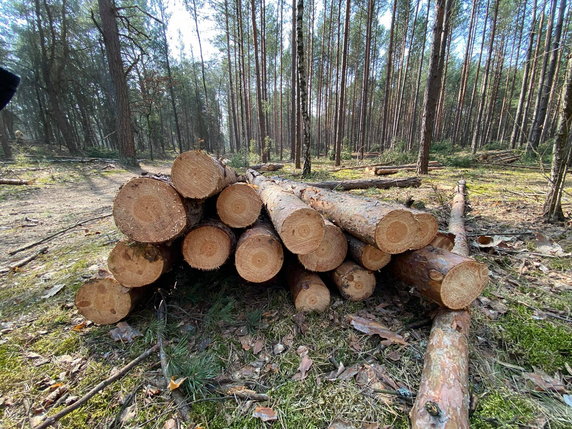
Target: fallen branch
357 167
267 167
120 374
55 234
178 397
14 182
344 185
23 261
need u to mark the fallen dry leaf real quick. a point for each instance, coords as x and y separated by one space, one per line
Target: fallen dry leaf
257 347
124 333
170 424
175 384
54 396
371 327
305 365
245 342
265 414
547 246
545 382
80 326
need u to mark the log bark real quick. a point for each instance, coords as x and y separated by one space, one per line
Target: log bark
104 300
451 280
389 227
368 256
345 185
330 253
300 227
308 290
444 387
354 282
136 264
259 254
208 245
383 171
267 167
198 175
149 210
14 182
238 205
372 168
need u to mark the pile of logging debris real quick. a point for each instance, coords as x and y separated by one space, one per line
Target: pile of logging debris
203 214
498 157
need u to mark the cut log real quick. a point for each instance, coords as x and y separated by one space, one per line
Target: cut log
104 300
450 280
300 227
428 228
14 182
198 175
345 185
372 168
308 290
136 264
389 227
208 245
259 255
267 167
354 282
368 256
383 171
330 253
238 205
444 240
444 387
149 210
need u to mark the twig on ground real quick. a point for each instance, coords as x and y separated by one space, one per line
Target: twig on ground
120 374
178 397
23 261
55 234
126 402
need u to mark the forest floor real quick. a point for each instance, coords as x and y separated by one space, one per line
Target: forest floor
222 332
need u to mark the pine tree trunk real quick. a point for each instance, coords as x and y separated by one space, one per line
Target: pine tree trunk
341 105
433 87
126 140
303 89
561 152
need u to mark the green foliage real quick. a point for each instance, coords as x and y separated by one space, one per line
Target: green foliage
459 161
100 152
539 343
502 409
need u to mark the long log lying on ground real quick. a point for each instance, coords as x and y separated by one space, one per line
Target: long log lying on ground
136 264
150 210
383 171
444 387
238 205
208 245
300 227
267 167
346 185
354 282
451 280
198 175
308 290
390 227
104 300
259 255
366 255
373 168
330 253
14 182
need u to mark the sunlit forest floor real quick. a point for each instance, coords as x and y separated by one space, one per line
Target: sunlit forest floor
221 330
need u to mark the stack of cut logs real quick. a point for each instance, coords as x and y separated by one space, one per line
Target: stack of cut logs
204 213
499 156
